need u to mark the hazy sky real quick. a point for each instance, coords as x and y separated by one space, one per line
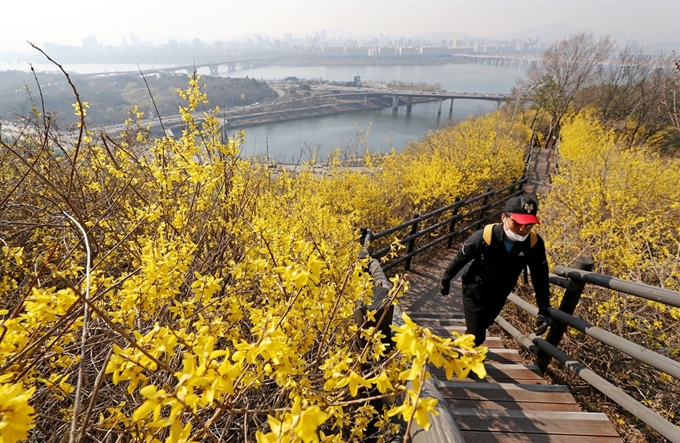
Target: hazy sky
156 21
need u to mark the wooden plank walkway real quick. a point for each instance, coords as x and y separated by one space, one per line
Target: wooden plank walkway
539 172
514 403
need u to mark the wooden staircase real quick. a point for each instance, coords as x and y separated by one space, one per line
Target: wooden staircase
514 403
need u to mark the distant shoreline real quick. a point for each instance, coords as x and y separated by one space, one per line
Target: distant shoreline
501 59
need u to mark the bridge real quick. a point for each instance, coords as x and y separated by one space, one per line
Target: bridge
232 65
397 95
249 62
237 63
317 106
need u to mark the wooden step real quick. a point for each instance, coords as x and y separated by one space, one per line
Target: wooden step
497 424
502 373
428 315
528 397
504 356
494 343
441 322
447 329
488 437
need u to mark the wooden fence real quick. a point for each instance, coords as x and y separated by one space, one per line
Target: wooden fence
424 231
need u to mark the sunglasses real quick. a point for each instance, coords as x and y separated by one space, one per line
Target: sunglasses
520 226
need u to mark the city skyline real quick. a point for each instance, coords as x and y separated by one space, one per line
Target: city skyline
153 22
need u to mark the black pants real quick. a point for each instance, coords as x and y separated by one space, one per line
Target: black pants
480 312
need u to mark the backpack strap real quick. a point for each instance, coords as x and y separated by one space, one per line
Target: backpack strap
488 233
533 238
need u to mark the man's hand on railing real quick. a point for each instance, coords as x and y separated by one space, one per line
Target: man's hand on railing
542 321
444 288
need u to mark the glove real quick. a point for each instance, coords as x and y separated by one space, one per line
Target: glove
542 321
444 287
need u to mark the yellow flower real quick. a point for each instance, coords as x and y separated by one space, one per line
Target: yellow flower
301 424
307 421
80 110
425 406
382 382
16 415
353 380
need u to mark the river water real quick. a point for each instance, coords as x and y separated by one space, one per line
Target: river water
382 129
294 140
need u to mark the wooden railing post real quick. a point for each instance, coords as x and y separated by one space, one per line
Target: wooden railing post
482 214
366 237
452 225
513 189
568 305
412 243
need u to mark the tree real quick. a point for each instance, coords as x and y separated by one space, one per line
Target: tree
630 95
567 67
670 104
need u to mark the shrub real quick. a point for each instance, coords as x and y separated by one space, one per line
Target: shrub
170 290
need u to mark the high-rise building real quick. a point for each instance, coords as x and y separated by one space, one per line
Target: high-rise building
90 41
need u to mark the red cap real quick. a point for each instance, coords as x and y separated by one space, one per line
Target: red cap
523 210
525 219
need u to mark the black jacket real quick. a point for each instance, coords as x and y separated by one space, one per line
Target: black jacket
494 271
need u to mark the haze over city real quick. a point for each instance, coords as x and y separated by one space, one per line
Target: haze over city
70 22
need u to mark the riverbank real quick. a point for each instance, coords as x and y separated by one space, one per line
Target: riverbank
312 107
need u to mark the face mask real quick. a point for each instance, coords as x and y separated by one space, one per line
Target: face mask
515 237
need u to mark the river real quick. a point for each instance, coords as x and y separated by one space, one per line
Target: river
292 141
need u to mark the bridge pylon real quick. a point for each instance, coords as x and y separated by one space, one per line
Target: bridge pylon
395 103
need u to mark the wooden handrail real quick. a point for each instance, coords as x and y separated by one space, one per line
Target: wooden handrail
575 279
651 418
653 293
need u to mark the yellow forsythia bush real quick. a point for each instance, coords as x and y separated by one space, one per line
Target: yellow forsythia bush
161 290
457 161
620 206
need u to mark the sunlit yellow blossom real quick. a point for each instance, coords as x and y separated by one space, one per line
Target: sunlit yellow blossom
16 414
353 381
299 425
